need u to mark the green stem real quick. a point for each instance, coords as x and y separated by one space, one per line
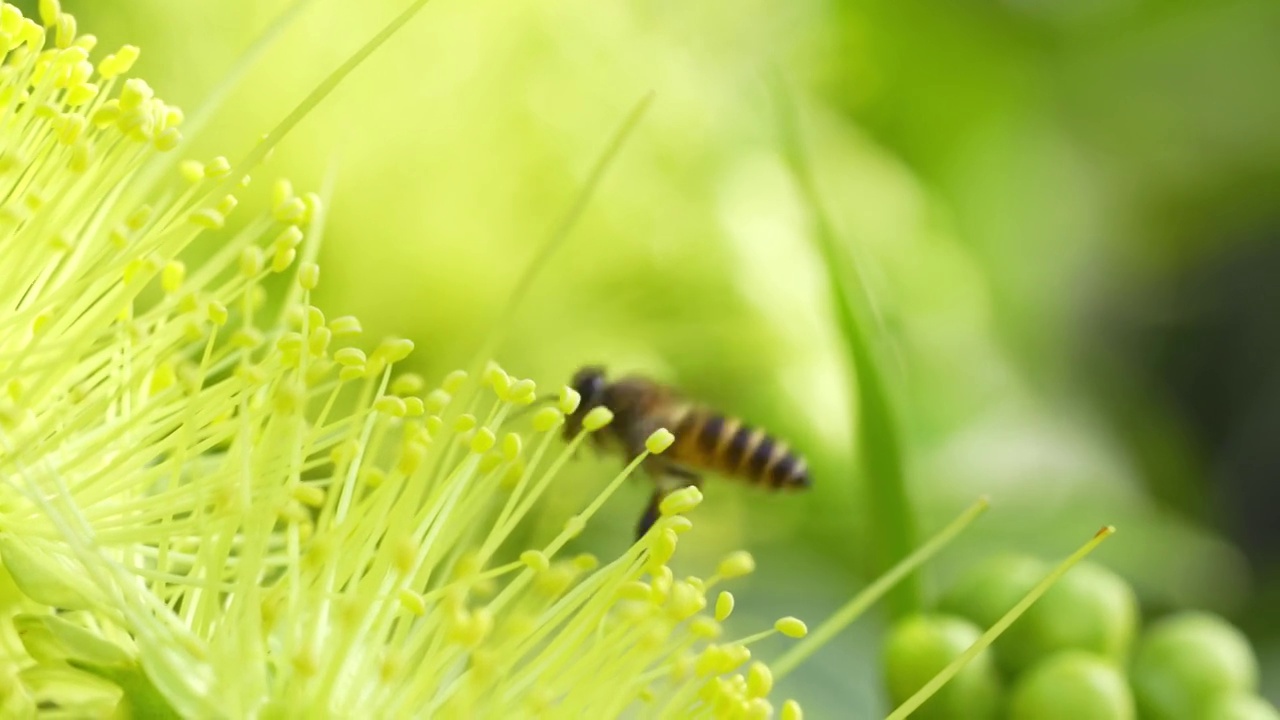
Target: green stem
877 433
863 600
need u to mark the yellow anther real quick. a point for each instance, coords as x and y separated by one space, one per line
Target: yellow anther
414 407
758 709
433 424
282 258
411 456
661 585
251 261
547 419
483 441
574 526
499 380
395 349
170 138
318 341
453 381
374 477
218 314
555 581
292 210
597 418
678 524
759 680
163 378
308 495
407 384
791 711
390 405
437 400
191 170
511 446
309 276
227 204
70 127
705 628
247 338
635 590
49 12
736 564
680 501
464 422
709 661
724 606
82 94
569 400
686 601
791 627
172 276
65 32
350 357
660 440
289 342
314 207
217 168
734 656
413 602
119 62
662 547
536 560
290 237
406 556
345 325
208 218
250 375
522 392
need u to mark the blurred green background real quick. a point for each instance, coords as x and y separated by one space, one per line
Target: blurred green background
1065 210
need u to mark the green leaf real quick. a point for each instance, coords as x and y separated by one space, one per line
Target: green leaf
877 433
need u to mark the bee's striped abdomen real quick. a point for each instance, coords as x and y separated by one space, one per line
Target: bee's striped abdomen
711 441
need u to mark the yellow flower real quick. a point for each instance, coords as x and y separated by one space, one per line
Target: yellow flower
217 509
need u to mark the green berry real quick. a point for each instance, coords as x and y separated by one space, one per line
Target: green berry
1090 608
1187 662
1070 685
919 647
988 590
1241 706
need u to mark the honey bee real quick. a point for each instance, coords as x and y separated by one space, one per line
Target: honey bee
705 440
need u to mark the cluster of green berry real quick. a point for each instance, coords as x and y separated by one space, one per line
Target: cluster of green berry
1073 654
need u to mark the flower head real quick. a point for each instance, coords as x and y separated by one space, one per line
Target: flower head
214 508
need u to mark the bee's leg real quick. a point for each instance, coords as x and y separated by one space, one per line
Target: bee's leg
651 513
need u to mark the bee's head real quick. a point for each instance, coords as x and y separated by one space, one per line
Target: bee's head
590 384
